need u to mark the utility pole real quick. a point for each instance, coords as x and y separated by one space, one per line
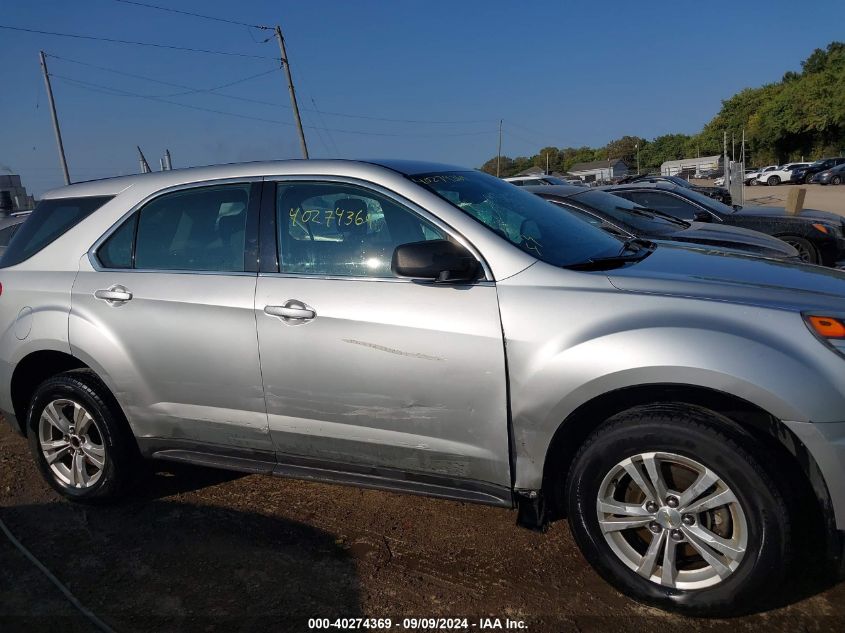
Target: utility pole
286 66
638 158
58 132
547 163
499 152
145 166
168 163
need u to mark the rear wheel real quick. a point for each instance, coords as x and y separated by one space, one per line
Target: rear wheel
806 251
773 180
79 438
679 513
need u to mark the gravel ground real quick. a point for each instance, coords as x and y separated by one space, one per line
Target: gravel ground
821 197
202 550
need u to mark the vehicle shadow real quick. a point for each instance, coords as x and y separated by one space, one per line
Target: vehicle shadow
159 479
155 565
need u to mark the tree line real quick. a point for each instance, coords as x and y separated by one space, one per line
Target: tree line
801 116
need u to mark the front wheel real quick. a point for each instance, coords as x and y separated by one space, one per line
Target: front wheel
836 180
676 512
79 438
807 253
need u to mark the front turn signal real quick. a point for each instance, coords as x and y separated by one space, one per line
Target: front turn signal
827 327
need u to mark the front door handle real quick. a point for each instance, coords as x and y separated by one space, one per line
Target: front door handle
115 294
291 310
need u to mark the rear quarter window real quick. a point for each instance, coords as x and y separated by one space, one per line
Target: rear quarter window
50 220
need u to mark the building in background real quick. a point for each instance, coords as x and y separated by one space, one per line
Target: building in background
691 166
13 193
600 170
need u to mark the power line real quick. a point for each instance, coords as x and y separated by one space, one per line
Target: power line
125 93
299 78
188 89
135 43
196 15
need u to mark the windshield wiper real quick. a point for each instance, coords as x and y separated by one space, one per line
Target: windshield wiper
642 248
657 213
639 242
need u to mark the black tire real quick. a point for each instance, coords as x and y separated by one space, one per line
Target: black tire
720 447
806 250
121 457
772 181
836 180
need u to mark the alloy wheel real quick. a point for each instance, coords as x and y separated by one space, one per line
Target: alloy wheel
804 253
72 443
672 520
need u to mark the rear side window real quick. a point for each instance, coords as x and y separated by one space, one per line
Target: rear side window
50 220
202 229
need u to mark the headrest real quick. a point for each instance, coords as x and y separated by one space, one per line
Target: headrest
228 225
351 205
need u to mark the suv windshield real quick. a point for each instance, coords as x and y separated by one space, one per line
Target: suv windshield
630 213
50 220
525 220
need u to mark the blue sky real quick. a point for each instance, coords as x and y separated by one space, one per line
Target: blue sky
568 74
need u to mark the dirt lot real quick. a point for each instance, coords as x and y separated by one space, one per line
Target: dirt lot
202 550
821 197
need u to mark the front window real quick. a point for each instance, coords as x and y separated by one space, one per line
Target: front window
525 220
343 230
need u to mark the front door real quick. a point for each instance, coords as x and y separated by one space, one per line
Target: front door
165 313
364 369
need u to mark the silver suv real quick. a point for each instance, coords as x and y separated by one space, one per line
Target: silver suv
430 329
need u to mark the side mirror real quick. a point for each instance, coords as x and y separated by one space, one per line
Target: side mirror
435 260
737 207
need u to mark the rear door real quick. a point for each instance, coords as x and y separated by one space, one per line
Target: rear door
366 371
163 308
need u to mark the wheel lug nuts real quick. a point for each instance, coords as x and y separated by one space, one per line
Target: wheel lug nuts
651 506
654 526
688 519
676 535
672 502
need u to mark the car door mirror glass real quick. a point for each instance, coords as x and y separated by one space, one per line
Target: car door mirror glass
435 260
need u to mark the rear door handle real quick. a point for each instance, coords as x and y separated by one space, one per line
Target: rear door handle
291 310
115 294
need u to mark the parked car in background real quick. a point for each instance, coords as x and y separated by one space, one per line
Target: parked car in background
748 175
528 181
806 174
9 225
783 173
752 176
431 329
624 218
832 176
710 174
717 193
819 236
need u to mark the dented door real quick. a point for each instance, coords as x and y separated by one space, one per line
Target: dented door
387 373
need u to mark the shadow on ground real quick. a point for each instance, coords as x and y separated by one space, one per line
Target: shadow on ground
151 564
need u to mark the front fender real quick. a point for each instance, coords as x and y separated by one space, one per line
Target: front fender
577 344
